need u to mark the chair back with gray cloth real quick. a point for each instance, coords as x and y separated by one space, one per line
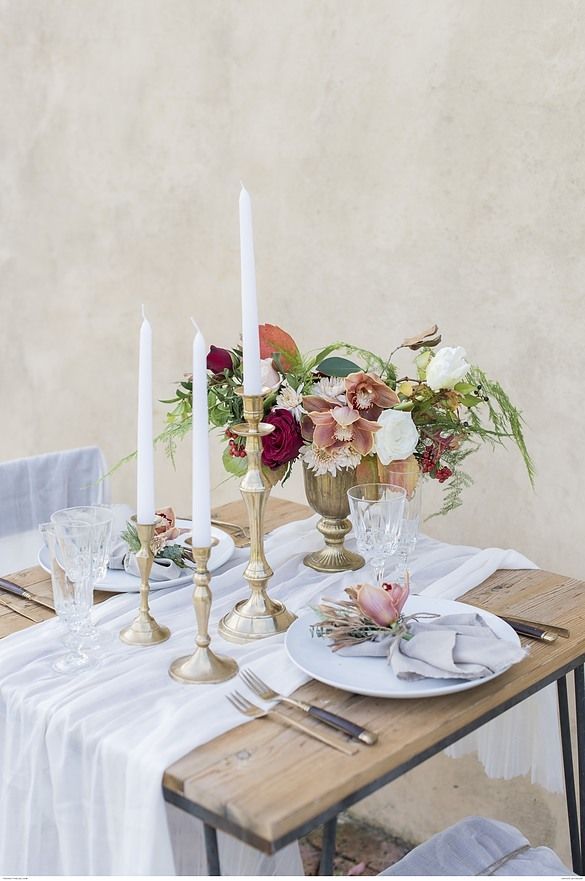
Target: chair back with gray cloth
476 846
31 489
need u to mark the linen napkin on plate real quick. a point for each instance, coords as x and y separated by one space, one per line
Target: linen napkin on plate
121 557
461 646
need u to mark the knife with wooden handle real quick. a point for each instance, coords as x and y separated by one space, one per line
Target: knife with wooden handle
17 591
532 630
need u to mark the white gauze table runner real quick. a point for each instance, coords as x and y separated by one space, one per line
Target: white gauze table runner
82 757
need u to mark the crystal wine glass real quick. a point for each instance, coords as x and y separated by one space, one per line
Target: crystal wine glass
69 549
98 518
411 518
376 512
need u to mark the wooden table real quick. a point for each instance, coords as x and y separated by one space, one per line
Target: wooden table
267 786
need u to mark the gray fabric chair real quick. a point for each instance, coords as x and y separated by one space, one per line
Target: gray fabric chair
477 846
31 489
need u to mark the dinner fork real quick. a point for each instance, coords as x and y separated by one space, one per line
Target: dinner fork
247 708
265 693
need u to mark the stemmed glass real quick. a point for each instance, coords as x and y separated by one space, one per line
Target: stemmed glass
376 512
69 549
98 519
411 517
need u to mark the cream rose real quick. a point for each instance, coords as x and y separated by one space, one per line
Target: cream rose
447 368
268 375
397 438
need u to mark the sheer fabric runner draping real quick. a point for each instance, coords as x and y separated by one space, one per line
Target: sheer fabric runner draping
81 758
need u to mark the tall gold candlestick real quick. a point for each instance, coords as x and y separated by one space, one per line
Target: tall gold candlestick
144 630
259 615
203 666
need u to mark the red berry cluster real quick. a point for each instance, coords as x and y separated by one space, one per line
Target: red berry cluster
443 474
430 459
237 450
427 462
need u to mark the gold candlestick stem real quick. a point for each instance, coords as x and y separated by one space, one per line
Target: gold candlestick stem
144 630
203 666
259 615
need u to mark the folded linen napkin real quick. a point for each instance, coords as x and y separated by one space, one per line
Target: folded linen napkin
461 646
121 557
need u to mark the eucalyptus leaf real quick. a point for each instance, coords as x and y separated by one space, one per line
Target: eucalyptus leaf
338 367
471 400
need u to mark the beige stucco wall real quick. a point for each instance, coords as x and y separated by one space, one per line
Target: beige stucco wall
409 161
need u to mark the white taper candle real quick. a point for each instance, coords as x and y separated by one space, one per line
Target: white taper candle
250 340
145 507
201 494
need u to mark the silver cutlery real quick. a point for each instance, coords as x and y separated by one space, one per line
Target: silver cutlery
266 693
247 708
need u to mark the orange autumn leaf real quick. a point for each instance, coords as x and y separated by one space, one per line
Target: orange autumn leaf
276 341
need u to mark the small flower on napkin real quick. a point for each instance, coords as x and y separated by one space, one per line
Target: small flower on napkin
165 530
383 605
168 557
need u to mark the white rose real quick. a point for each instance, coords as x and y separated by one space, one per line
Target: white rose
447 368
268 375
398 437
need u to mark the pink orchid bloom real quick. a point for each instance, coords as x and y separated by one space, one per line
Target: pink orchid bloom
398 593
381 605
369 394
336 425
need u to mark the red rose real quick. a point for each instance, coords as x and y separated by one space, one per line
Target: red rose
283 444
219 360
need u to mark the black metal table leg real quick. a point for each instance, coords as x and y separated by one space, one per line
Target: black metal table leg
580 716
328 847
211 850
570 793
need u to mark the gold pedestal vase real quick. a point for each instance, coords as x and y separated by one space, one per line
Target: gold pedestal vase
203 666
144 630
327 496
259 615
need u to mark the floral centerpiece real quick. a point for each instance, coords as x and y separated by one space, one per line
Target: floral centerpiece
346 408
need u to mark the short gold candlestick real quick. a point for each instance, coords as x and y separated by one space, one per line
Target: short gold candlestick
259 615
203 666
144 630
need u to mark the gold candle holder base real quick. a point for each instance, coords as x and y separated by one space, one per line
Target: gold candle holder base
255 618
258 616
203 666
144 630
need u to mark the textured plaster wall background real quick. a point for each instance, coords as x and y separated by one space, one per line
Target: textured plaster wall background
409 161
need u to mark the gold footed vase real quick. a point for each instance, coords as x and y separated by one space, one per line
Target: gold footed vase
259 615
327 496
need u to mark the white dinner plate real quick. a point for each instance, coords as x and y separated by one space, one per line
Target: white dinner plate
119 581
374 676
